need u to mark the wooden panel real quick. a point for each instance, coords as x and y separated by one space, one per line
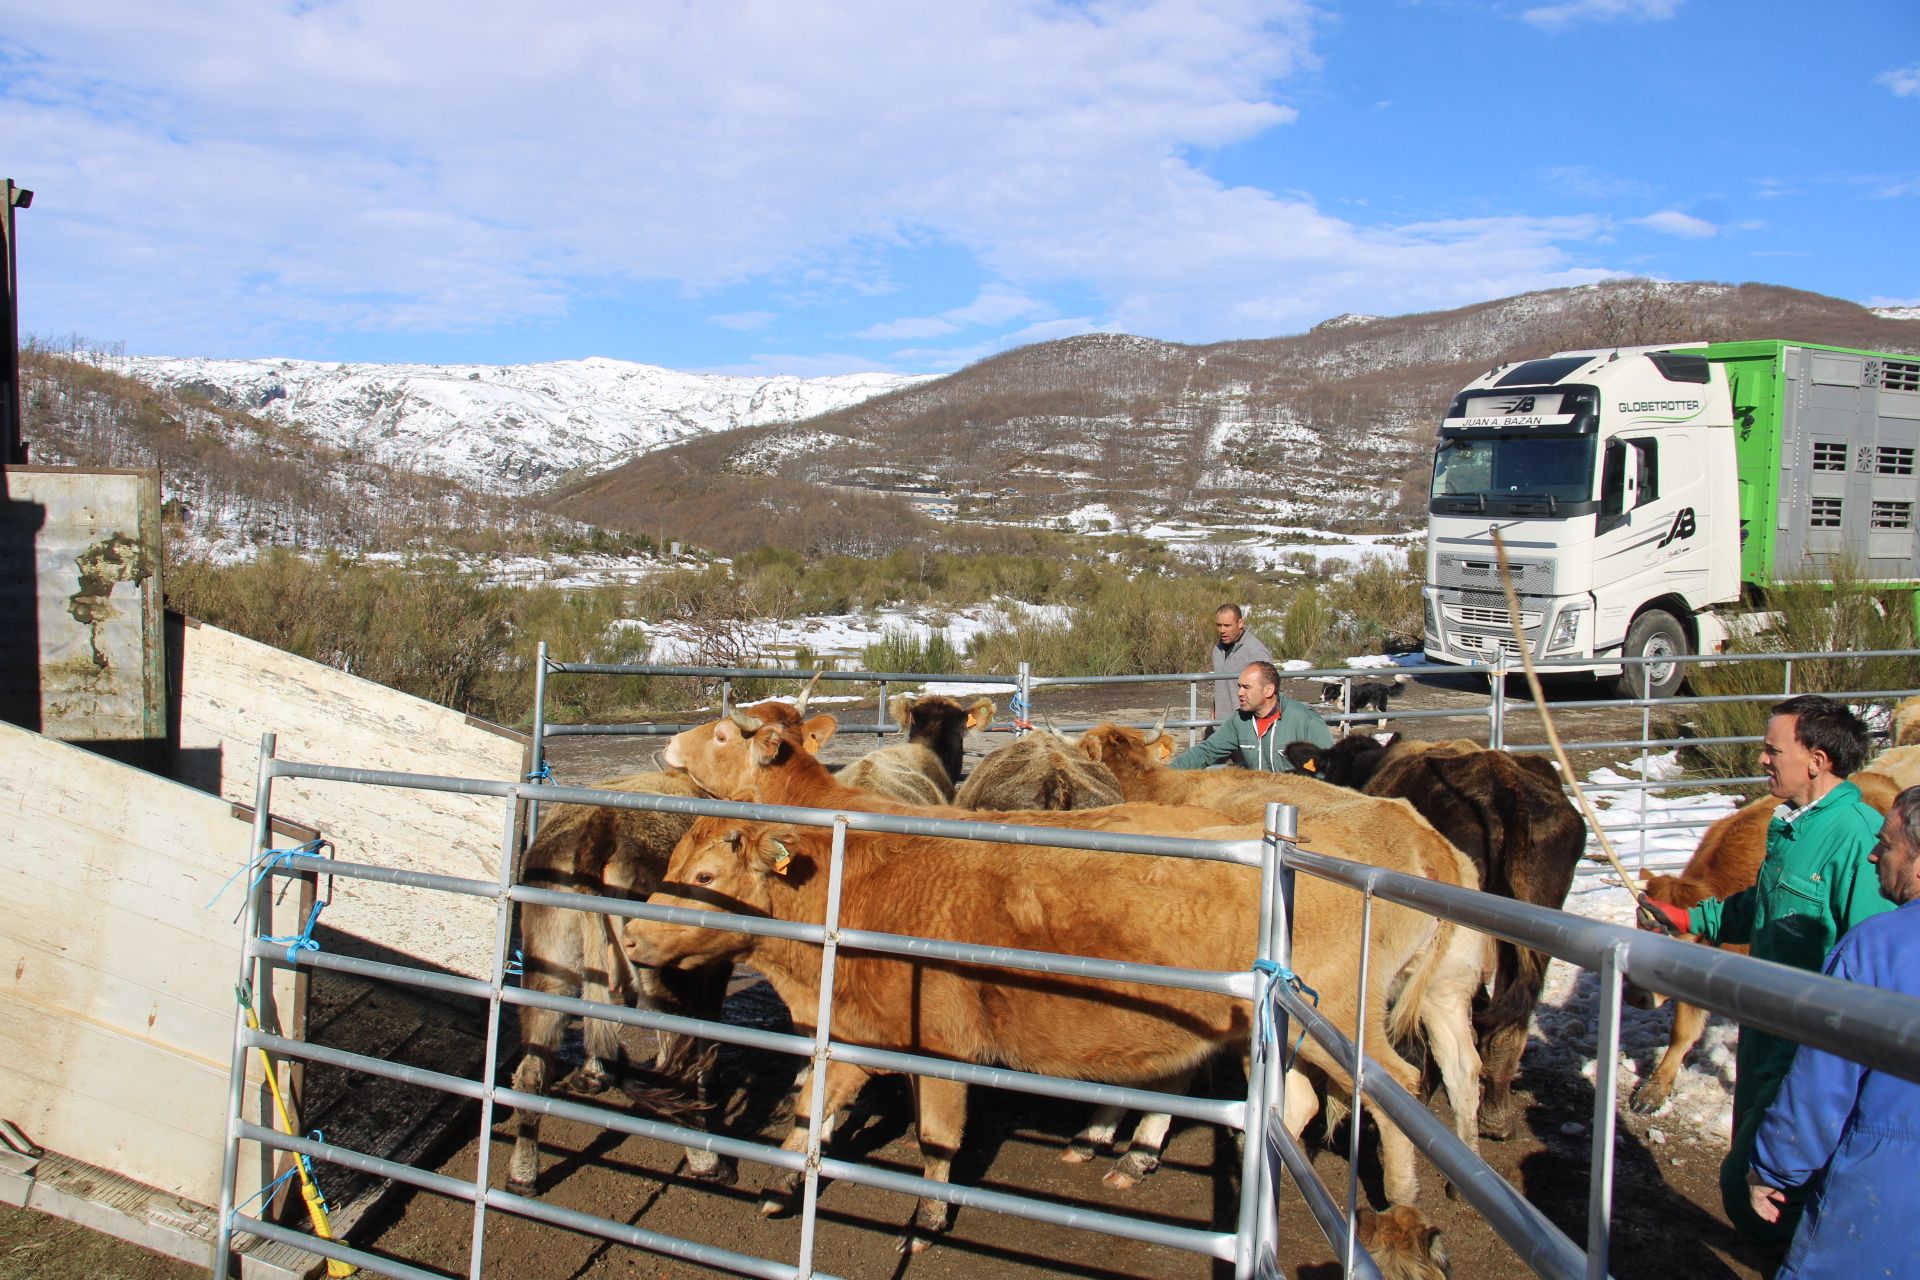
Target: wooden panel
80 589
116 978
233 690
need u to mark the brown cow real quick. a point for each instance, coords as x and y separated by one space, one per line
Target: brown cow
615 853
1905 729
1188 913
1509 814
1726 861
1038 771
1382 832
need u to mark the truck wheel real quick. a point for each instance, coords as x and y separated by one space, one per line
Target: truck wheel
1654 634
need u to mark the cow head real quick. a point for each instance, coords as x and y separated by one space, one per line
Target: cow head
940 724
1350 762
1680 892
722 865
724 758
1128 753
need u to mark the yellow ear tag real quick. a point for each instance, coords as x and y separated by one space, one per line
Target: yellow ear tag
782 862
1311 766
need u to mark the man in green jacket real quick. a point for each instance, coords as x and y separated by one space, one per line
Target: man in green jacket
1814 884
1257 734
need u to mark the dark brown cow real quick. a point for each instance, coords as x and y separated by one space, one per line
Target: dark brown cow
1507 813
1726 861
1170 911
941 724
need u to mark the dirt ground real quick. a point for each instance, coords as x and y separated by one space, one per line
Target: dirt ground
1666 1218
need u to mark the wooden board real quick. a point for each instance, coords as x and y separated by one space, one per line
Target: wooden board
232 690
116 977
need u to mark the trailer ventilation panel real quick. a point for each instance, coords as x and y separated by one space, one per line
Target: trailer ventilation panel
1898 376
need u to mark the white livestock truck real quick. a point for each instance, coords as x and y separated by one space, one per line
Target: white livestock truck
1647 494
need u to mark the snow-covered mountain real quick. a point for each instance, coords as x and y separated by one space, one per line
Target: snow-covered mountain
505 429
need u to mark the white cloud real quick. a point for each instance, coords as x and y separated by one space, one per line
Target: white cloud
1575 12
240 177
744 321
1904 81
1674 223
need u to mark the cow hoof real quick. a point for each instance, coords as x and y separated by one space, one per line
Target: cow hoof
591 1079
1076 1155
1120 1181
1499 1129
774 1203
913 1242
521 1187
721 1173
1646 1102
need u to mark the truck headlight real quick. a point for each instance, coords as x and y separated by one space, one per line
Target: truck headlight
1566 628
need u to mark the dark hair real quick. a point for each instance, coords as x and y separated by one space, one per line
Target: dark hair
1267 669
1905 810
1231 608
1821 724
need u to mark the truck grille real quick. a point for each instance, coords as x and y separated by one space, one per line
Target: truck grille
1482 573
1489 617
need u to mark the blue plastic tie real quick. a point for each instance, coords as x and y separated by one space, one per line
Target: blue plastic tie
543 774
303 940
1276 973
264 864
264 1193
517 966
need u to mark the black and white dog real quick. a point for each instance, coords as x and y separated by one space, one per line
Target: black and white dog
1367 695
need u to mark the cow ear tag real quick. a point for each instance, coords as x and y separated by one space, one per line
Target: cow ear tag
783 860
1311 766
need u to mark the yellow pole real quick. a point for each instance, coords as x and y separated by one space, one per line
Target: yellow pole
316 1203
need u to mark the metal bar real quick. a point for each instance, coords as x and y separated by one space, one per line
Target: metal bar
1349 1245
371 1263
427 979
1319 1201
1605 1114
817 1117
256 899
490 1066
348 1158
538 743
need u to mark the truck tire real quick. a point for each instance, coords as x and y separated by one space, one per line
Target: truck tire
1654 634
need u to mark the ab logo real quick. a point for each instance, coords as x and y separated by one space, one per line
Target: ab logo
1682 527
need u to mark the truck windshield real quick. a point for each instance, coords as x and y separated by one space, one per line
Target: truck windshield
1487 472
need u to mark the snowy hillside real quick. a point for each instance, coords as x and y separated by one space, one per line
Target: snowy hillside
504 429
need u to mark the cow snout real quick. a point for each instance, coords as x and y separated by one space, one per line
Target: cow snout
1640 997
671 757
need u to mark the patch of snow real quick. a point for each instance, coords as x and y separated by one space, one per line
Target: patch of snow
1897 313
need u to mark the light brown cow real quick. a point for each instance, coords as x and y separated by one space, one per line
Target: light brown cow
1038 771
1169 911
615 853
1726 861
1905 728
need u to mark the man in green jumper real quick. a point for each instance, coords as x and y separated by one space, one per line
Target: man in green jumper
1814 885
1257 734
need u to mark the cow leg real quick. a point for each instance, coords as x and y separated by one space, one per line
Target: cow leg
1520 975
1446 1015
1143 1152
551 939
941 1107
1689 1024
698 993
843 1082
1094 1136
605 978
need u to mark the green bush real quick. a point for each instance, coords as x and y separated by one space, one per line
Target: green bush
899 650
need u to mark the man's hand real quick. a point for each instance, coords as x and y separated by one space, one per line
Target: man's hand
1766 1200
1662 917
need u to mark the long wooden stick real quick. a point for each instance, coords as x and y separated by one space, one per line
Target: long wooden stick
1540 704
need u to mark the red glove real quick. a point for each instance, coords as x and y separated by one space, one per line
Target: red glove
1663 917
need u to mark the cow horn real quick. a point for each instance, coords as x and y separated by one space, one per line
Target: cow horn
800 703
749 725
1160 727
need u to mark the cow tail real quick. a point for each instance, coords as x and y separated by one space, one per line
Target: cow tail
1513 1003
1403 1009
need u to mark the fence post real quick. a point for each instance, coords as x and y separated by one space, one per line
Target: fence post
1266 1085
880 718
1024 720
1605 1113
1497 705
817 1120
258 896
490 1060
539 753
1193 707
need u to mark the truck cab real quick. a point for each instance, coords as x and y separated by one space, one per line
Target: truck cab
1611 477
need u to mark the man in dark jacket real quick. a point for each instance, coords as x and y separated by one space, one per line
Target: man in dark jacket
1235 648
1850 1134
1256 736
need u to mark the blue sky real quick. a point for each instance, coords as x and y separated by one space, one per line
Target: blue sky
805 186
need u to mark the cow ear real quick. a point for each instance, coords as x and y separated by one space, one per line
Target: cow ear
765 746
980 714
1164 747
774 852
818 731
1305 757
1090 745
900 707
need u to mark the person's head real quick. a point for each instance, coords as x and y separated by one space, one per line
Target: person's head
1259 688
1811 744
1228 623
1897 856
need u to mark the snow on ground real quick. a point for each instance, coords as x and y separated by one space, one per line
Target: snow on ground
1566 1021
848 635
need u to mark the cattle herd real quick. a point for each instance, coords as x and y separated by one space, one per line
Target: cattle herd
1455 813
